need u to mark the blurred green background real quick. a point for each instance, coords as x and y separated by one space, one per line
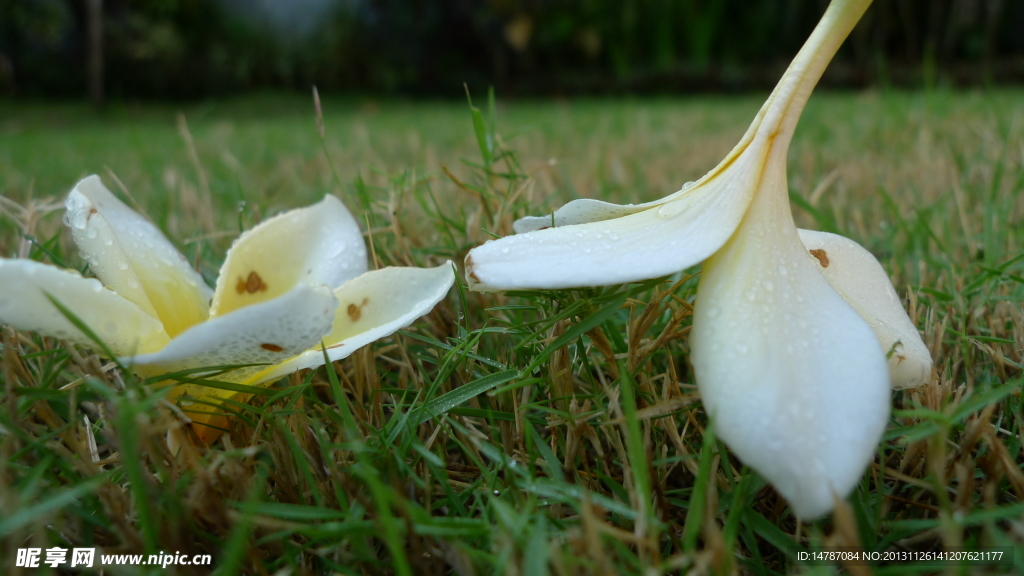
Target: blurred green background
191 49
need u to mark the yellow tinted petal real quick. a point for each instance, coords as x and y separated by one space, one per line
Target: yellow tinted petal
317 245
133 258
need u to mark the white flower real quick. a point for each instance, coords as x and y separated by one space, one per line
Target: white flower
791 328
286 285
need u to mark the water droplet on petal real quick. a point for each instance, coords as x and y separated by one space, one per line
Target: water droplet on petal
670 210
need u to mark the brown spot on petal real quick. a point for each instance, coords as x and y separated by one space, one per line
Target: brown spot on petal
355 312
252 284
272 347
822 257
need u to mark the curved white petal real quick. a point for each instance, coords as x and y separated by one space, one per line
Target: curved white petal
270 332
120 324
316 245
861 280
655 242
794 378
373 306
133 258
583 211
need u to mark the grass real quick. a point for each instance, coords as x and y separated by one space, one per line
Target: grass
527 433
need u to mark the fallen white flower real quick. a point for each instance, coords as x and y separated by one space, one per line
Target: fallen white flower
790 329
287 285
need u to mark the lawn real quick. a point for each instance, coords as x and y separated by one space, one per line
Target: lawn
531 433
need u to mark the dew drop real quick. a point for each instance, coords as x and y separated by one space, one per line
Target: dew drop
123 265
504 250
714 312
742 348
670 210
78 219
768 285
751 296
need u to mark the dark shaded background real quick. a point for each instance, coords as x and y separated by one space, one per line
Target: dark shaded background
183 49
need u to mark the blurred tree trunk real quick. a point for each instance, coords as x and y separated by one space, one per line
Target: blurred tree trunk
94 42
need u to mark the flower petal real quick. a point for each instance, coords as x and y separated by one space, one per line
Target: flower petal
655 242
582 211
373 306
862 281
132 257
120 324
317 245
794 378
263 333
